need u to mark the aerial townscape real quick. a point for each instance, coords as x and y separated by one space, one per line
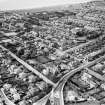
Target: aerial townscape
53 56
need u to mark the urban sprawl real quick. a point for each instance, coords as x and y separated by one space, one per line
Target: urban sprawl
53 57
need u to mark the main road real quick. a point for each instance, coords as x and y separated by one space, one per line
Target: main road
29 67
58 90
56 94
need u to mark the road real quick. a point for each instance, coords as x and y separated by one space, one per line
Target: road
43 101
59 87
82 45
58 90
97 75
29 67
7 101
